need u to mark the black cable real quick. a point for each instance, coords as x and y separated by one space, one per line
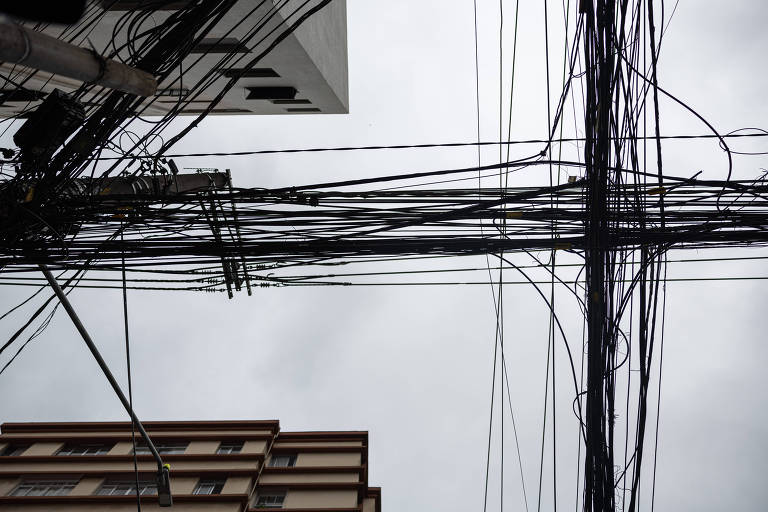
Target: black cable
130 380
658 400
477 144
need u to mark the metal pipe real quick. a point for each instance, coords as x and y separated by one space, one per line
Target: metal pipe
104 368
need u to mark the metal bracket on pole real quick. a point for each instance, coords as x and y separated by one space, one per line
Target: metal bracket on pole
163 470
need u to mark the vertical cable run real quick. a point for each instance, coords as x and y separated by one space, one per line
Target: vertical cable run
130 383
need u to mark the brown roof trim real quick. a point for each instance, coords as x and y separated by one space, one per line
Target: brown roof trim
318 449
85 473
94 498
324 486
331 509
126 457
375 493
305 440
122 426
330 434
126 436
313 469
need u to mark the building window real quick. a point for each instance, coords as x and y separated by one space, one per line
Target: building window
220 45
282 461
126 487
227 447
209 486
270 500
270 93
186 102
310 109
13 450
249 73
176 93
44 488
216 110
162 448
85 449
292 102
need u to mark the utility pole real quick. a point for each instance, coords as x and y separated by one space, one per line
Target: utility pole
27 47
163 477
598 461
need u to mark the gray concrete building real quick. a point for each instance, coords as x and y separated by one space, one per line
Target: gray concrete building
305 73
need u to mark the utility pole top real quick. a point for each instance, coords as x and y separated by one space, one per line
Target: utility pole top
27 47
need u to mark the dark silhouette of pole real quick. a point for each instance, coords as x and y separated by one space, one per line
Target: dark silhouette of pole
163 482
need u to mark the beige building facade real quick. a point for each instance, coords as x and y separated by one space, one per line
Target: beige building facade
227 466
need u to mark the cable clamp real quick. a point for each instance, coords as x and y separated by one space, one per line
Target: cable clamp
102 66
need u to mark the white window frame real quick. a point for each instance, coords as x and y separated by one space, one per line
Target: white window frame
58 487
230 447
266 496
163 448
85 449
208 486
275 461
126 488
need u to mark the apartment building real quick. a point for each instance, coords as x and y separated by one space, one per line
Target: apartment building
219 466
306 73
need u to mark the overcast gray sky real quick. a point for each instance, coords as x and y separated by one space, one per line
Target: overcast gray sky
412 365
